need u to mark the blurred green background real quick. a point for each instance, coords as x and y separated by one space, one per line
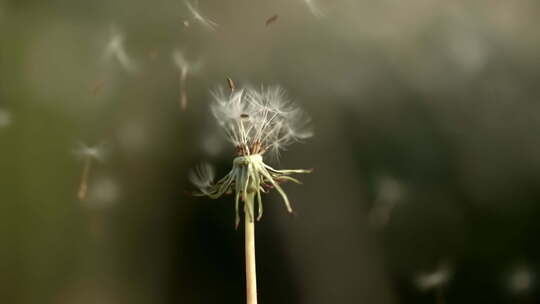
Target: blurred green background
427 151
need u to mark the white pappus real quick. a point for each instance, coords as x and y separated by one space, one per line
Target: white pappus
185 68
197 16
115 48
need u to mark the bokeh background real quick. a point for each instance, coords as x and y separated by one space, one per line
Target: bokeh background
427 151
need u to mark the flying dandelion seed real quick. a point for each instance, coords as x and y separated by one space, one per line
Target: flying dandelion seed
427 281
198 17
202 177
314 8
115 49
185 68
6 118
435 280
271 20
389 193
256 122
88 155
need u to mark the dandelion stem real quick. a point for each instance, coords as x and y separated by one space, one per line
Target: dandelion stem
251 276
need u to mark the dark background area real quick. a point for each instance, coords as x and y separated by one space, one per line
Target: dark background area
426 151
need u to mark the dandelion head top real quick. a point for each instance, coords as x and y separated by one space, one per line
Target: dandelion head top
256 122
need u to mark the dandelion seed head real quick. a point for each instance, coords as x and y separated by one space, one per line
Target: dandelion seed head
257 120
197 16
6 118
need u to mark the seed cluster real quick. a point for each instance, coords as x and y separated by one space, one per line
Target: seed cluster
255 121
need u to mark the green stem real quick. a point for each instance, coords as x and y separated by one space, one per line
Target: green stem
251 276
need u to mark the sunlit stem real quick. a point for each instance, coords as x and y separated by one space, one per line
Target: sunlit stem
251 276
83 186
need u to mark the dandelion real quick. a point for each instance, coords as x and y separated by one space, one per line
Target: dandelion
314 8
185 67
5 118
257 123
88 155
197 16
115 48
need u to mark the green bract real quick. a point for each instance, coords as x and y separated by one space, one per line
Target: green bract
248 178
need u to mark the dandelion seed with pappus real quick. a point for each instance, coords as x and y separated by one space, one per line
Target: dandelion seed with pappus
435 280
115 48
314 8
88 155
185 68
257 123
197 16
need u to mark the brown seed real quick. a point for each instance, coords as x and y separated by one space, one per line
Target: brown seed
230 82
271 20
244 115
